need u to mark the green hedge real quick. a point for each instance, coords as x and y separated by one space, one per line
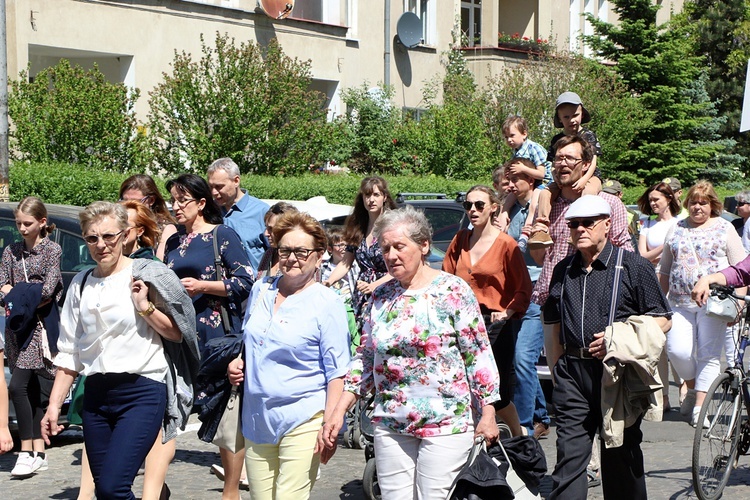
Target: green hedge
77 185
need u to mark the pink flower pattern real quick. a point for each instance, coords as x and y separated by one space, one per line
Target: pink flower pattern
427 356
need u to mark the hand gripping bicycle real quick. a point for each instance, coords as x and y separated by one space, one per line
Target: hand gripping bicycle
722 434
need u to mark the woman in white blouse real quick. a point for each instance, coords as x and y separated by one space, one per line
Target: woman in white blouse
119 345
661 207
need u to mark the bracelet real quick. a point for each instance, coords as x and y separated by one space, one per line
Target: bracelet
149 311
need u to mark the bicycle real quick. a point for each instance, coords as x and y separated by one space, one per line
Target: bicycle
721 435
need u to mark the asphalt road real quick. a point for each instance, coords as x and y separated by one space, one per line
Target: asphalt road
667 448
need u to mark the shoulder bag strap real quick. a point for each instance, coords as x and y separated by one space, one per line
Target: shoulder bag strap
219 272
613 303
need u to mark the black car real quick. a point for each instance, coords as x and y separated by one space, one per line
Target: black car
75 254
75 257
446 215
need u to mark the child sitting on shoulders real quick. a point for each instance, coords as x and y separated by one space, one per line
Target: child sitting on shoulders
570 115
344 286
529 158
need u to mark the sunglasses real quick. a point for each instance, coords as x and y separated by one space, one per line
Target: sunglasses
479 204
742 203
108 238
586 223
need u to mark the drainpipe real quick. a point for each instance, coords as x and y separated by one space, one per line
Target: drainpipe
387 35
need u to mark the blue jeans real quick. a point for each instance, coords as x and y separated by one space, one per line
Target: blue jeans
122 415
528 397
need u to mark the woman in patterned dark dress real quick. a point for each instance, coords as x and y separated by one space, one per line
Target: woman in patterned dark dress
191 257
372 200
36 259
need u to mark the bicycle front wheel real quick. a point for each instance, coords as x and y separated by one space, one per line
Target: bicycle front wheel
716 437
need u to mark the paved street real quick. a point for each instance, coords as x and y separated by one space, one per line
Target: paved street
667 447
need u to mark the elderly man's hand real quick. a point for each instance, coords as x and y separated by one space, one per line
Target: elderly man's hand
597 348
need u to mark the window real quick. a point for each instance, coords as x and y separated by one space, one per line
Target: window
413 113
322 11
425 10
471 21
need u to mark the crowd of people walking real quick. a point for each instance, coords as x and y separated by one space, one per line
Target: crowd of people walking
226 291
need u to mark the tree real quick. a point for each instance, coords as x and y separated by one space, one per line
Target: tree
250 104
659 65
70 115
721 32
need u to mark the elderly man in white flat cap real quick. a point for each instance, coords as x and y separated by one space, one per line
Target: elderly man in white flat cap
587 294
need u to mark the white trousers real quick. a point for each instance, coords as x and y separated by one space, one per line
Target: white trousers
411 468
694 344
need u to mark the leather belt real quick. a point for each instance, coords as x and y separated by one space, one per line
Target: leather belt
579 352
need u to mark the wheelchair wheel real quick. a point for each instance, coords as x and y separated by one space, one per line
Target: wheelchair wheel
370 481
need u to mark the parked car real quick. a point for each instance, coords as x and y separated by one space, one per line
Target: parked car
445 214
75 258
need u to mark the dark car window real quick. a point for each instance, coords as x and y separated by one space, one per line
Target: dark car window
8 232
75 255
445 223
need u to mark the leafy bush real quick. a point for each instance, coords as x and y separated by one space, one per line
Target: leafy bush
67 114
244 102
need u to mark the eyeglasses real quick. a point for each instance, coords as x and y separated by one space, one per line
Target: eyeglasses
299 253
182 203
108 238
479 204
586 223
338 245
142 200
568 160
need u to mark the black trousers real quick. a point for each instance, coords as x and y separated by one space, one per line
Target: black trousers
30 395
503 340
577 399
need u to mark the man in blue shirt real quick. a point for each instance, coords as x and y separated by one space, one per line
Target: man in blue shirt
528 396
242 212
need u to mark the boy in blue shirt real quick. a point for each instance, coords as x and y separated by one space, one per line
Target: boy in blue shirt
536 166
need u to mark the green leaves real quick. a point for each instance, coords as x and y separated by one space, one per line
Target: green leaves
67 114
247 102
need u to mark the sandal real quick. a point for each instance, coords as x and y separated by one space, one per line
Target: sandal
593 477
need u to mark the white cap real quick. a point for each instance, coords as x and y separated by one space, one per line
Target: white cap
588 206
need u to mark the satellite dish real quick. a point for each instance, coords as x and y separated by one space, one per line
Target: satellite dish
409 30
277 9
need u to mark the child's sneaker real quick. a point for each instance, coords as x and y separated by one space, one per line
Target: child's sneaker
523 243
539 240
41 462
27 464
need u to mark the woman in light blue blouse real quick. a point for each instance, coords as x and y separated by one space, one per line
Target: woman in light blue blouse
297 349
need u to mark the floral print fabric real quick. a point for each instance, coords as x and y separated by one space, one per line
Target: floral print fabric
192 256
426 354
696 252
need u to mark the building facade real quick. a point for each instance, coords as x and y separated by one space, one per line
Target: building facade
349 42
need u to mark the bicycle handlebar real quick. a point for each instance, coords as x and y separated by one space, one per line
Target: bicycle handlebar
724 291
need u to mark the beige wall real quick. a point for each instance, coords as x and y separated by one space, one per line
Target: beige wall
133 41
144 34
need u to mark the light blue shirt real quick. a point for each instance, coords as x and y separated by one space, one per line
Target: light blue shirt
538 156
517 216
290 356
246 218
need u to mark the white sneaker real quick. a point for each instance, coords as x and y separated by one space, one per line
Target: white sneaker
687 405
694 419
27 464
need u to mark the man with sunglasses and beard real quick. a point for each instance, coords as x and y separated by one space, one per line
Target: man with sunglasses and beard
599 285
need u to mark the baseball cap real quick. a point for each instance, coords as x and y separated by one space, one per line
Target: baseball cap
570 98
673 183
612 186
588 205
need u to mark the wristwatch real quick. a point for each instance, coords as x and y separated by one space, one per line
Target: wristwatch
149 311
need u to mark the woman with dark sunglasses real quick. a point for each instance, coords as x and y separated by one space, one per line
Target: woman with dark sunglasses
491 263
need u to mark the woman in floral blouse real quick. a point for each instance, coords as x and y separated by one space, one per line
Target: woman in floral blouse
426 354
191 257
696 247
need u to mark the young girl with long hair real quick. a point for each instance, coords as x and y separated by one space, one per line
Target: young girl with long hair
35 259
